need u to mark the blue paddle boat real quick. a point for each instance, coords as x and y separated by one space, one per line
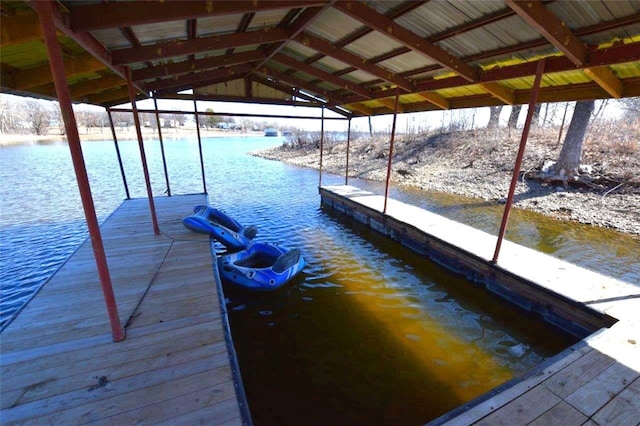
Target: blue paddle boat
261 266
226 230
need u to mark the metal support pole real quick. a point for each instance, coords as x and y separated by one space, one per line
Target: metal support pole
516 169
393 135
321 145
45 15
195 113
115 141
164 160
346 171
143 157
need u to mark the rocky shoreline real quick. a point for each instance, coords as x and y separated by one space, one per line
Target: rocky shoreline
480 165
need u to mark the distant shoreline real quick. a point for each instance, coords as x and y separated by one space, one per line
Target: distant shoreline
100 134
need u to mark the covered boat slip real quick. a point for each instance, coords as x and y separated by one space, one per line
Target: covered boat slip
59 362
597 379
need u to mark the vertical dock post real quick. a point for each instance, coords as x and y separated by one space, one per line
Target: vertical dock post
45 15
321 145
143 156
346 169
164 159
393 135
115 142
195 113
516 169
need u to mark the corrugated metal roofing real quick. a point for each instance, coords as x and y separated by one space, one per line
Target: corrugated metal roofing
481 34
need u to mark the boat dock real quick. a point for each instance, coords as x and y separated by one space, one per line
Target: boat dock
177 365
596 381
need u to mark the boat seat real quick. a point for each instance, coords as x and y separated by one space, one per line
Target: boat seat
286 261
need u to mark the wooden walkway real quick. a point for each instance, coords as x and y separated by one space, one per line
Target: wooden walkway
595 382
60 366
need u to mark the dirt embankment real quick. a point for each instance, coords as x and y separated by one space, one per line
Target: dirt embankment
480 164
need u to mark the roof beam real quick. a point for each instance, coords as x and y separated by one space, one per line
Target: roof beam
606 79
175 68
126 14
204 44
17 29
499 91
86 87
360 108
388 27
186 81
290 80
551 27
311 70
41 74
355 61
435 99
391 104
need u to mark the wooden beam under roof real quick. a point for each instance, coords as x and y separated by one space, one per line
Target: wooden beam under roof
388 27
355 61
606 79
435 99
551 27
89 17
360 108
291 80
84 88
204 44
176 68
322 75
499 91
41 74
391 104
185 81
19 28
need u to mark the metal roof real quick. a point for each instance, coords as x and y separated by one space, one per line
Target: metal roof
356 55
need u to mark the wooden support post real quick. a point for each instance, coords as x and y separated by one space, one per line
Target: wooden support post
115 141
143 156
45 15
195 113
164 159
393 135
321 145
346 171
516 169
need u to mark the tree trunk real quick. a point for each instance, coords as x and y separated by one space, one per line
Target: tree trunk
571 153
535 120
513 117
494 117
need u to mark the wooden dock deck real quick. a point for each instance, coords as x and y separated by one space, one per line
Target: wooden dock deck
60 366
595 382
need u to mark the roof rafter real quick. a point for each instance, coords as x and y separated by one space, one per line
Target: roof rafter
290 80
551 27
391 104
499 91
388 27
356 61
606 79
41 74
188 80
186 47
175 68
125 14
435 99
322 75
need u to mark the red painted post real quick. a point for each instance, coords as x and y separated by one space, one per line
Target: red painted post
516 169
321 145
346 172
45 15
164 160
393 135
115 142
143 156
195 113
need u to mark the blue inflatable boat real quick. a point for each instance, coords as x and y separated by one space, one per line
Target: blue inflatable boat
229 232
261 266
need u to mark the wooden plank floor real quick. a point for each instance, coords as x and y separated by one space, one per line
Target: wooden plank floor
595 382
60 366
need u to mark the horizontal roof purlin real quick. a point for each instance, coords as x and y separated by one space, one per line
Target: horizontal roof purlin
344 53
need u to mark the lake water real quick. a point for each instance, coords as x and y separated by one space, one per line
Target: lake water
370 333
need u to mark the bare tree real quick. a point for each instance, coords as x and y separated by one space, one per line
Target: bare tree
512 123
494 117
571 153
38 116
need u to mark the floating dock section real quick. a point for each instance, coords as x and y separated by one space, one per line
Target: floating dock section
177 364
597 379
